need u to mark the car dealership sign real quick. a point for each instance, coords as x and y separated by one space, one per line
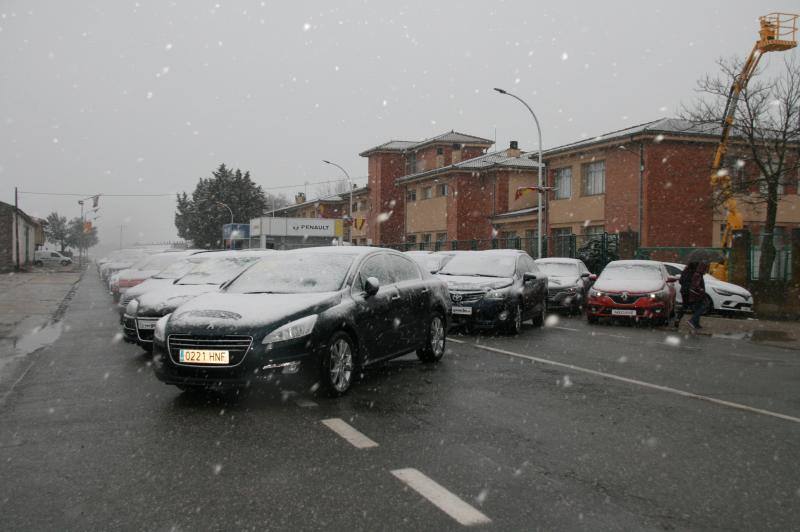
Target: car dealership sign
302 227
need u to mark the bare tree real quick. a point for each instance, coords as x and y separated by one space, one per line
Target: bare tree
766 134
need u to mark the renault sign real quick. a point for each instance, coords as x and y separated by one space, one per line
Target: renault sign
302 227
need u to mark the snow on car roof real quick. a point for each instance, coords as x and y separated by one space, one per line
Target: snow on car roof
635 262
565 260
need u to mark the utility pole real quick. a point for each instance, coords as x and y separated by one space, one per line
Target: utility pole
121 227
16 223
80 241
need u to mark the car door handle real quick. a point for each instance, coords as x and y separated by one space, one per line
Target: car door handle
425 290
395 297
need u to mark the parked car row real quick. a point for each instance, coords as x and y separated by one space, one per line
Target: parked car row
220 319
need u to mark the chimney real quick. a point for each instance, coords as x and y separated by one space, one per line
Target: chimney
299 198
513 149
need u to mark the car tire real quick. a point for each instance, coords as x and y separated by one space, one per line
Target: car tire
538 320
591 320
435 340
514 326
338 364
38 263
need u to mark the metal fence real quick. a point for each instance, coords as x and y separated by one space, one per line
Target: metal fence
781 266
595 250
676 254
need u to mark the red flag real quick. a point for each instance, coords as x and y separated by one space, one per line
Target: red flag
87 227
523 190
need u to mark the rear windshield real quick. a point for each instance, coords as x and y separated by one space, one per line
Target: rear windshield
294 273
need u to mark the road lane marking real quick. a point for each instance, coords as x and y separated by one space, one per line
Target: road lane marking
644 384
350 434
563 328
305 403
443 499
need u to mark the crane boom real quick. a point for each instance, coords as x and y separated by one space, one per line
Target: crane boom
777 33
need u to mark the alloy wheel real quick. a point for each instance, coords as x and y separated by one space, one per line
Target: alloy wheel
341 365
437 336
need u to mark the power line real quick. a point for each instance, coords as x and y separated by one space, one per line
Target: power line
281 187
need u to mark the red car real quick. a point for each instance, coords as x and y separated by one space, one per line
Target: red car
634 289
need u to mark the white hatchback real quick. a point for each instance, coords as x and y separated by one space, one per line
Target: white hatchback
724 297
50 258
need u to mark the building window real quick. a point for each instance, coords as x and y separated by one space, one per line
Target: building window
563 183
442 189
427 192
440 151
411 195
411 239
594 232
594 178
426 238
441 237
411 163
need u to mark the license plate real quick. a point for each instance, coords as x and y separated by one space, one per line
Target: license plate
146 325
462 311
203 356
623 312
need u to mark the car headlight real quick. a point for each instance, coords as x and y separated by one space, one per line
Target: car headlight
726 293
159 334
132 307
292 330
595 293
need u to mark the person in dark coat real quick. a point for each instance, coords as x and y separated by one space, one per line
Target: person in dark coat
686 283
697 295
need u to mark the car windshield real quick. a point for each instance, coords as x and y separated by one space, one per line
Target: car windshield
558 269
633 272
481 264
293 273
176 270
215 270
157 262
430 263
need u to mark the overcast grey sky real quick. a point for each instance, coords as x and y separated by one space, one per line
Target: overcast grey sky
148 96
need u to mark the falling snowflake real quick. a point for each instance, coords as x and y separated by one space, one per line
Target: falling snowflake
149 95
168 47
306 26
564 56
382 217
217 469
551 320
659 138
482 496
672 340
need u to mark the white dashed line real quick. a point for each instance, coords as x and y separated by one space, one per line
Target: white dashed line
305 403
446 501
620 378
563 328
350 434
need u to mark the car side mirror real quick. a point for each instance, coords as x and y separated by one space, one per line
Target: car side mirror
592 277
371 286
672 279
586 274
528 277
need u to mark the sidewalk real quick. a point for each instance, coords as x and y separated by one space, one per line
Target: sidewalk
29 304
784 334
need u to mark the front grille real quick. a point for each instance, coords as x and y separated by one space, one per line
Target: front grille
466 297
236 345
145 335
128 322
630 300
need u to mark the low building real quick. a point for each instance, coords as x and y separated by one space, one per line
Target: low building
19 233
651 179
473 199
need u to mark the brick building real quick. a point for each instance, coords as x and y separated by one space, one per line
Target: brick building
652 179
473 199
398 158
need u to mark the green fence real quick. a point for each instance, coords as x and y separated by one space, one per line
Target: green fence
676 254
781 265
595 250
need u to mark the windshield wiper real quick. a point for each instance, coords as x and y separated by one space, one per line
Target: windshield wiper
263 292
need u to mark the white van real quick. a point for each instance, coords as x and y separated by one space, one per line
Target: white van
50 258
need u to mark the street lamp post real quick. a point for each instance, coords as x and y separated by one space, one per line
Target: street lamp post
230 211
541 185
350 185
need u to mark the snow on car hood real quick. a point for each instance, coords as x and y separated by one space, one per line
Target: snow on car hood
469 283
562 280
226 309
169 298
628 285
147 286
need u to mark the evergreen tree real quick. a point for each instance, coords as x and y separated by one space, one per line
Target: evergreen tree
200 218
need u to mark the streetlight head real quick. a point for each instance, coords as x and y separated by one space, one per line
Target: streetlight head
501 91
